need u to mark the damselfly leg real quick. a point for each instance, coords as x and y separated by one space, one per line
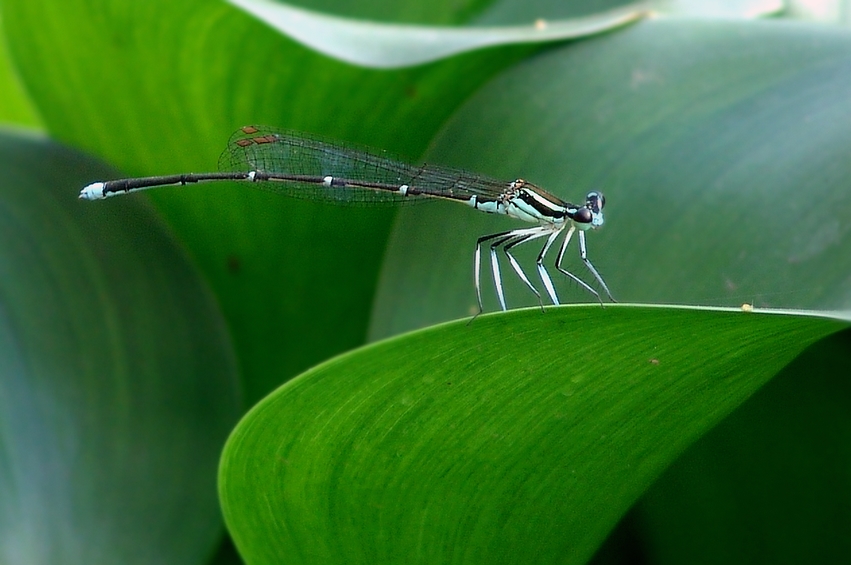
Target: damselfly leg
584 255
562 270
510 239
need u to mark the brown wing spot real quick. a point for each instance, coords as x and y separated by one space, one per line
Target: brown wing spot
261 139
250 129
244 142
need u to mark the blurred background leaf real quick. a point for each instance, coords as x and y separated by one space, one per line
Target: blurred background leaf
118 381
15 107
823 11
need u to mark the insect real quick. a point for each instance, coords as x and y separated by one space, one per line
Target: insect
309 166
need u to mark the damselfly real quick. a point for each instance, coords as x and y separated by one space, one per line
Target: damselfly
306 166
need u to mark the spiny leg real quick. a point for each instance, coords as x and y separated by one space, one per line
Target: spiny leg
524 236
564 271
542 270
478 265
584 255
497 278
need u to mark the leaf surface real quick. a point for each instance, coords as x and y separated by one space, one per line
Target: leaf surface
453 445
117 379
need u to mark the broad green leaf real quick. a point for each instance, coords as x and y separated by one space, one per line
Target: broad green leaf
454 445
770 483
388 46
720 146
765 485
15 107
117 380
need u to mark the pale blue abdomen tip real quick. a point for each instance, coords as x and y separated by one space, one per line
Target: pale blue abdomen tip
93 191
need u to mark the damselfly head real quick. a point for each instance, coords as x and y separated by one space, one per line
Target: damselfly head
590 216
595 201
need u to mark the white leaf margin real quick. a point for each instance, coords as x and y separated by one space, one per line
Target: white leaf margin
390 46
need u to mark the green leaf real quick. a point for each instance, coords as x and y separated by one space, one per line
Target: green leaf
388 46
453 445
721 149
770 483
15 107
117 380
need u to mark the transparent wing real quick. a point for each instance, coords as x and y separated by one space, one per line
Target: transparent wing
274 150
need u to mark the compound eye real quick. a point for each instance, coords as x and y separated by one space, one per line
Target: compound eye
583 216
595 201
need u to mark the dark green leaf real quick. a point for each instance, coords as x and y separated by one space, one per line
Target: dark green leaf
770 483
117 380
